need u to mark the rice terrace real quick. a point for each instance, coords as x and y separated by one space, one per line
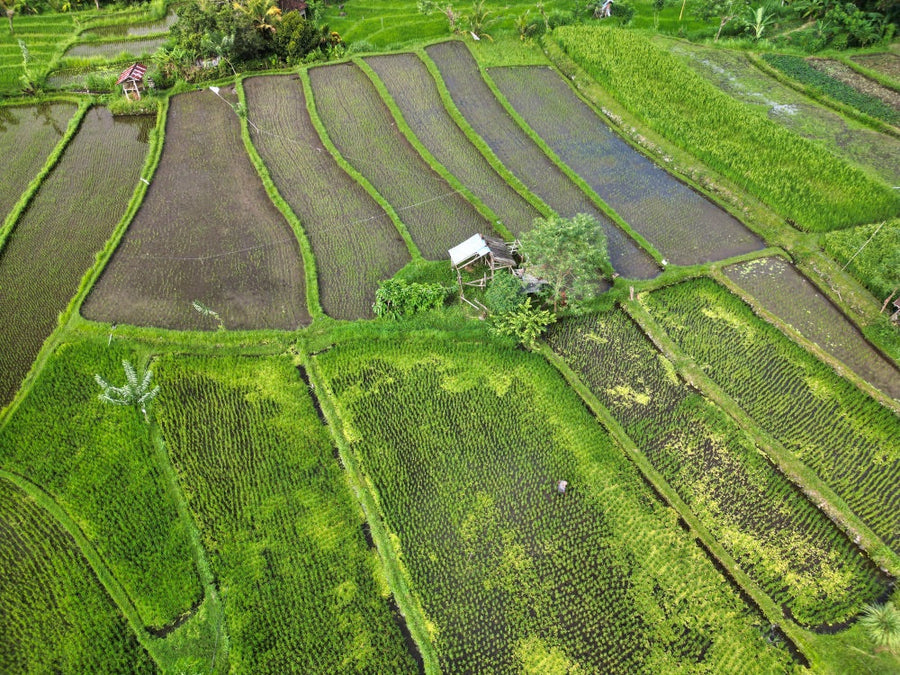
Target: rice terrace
450 337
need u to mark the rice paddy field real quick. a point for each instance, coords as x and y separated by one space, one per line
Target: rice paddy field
733 74
851 441
684 227
115 48
27 136
56 239
512 146
354 241
696 471
206 232
365 134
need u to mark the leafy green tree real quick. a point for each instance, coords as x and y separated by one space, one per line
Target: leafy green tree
504 293
525 323
882 623
135 392
570 254
725 11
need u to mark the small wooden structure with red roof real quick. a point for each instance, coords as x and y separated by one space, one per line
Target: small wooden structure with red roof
132 80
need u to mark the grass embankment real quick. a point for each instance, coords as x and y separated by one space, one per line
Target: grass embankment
808 185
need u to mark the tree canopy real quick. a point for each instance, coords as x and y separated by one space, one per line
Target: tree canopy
570 254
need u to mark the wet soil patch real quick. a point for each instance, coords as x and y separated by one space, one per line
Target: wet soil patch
408 640
684 226
515 149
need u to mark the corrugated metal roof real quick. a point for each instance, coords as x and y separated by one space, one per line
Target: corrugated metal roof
133 72
473 247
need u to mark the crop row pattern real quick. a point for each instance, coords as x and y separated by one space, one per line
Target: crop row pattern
851 441
800 179
464 460
799 557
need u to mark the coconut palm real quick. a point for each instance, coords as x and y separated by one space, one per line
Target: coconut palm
882 623
136 391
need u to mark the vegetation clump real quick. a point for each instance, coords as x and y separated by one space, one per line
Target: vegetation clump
397 299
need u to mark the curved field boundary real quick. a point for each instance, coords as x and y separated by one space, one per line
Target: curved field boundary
885 67
523 157
841 72
735 74
415 94
782 291
28 150
804 561
682 225
206 231
98 462
272 504
800 179
353 239
364 132
48 610
848 439
55 241
514 561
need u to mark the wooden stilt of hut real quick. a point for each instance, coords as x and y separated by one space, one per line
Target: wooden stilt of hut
132 81
479 249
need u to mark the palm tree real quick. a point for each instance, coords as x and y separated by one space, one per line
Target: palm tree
882 623
136 390
263 13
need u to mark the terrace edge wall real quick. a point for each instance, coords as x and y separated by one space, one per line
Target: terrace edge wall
414 252
313 305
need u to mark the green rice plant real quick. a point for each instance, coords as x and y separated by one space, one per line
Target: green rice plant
277 518
683 226
56 615
871 253
799 69
55 240
733 73
882 623
206 231
463 447
367 137
410 85
353 239
801 180
778 287
777 536
524 158
27 135
98 463
848 439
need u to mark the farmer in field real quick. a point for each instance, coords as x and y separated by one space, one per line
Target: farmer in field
605 10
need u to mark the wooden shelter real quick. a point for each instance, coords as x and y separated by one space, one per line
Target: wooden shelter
478 249
294 6
132 80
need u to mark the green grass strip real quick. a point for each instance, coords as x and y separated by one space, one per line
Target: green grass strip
430 159
19 207
395 571
796 471
309 260
414 252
